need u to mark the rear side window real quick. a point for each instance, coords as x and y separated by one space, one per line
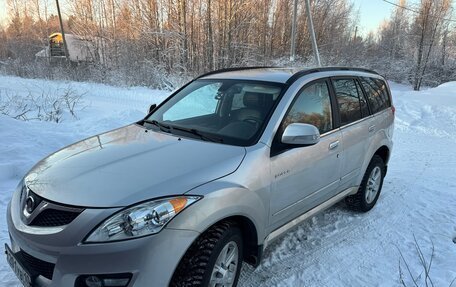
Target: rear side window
312 106
348 96
377 94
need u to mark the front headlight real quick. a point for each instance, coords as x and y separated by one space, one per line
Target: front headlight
140 220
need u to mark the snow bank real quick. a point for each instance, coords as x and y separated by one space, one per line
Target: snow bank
430 112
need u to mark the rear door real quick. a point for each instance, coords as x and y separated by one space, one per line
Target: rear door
303 177
356 126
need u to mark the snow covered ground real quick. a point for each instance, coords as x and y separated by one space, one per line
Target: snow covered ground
335 248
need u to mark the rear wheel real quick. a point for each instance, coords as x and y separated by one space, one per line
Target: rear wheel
213 260
370 188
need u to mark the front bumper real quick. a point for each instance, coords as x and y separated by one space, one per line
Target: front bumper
151 260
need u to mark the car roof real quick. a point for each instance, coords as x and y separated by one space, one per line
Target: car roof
281 75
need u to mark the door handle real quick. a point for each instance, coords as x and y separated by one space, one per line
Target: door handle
333 145
372 128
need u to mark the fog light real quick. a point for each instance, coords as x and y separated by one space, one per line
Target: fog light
104 280
93 281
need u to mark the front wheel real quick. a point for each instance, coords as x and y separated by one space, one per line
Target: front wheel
370 188
213 260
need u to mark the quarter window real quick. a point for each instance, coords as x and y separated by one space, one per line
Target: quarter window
348 98
312 106
377 94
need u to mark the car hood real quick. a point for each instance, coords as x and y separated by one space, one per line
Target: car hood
129 165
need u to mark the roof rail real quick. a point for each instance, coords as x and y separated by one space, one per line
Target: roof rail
234 69
327 69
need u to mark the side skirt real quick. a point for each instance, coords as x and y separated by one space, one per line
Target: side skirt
319 208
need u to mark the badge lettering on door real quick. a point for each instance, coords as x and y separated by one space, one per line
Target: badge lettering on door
282 174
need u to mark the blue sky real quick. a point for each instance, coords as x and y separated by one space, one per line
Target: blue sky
371 14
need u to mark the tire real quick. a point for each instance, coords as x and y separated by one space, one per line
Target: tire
364 200
197 266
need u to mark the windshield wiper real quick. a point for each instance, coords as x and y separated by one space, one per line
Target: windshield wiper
170 128
162 127
198 134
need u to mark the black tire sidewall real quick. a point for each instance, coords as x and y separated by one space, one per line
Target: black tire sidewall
232 234
375 162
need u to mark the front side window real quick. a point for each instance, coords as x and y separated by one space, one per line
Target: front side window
312 106
348 99
225 111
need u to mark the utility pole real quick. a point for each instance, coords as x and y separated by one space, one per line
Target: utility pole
62 31
312 34
356 34
293 32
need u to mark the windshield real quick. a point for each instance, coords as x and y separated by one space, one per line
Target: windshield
226 111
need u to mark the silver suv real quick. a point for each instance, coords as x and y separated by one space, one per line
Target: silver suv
206 181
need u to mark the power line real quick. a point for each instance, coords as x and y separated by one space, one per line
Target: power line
414 11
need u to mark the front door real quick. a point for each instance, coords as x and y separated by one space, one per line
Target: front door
303 177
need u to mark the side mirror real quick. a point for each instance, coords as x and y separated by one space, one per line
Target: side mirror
152 108
301 134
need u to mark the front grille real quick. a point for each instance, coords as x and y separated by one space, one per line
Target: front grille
37 266
54 217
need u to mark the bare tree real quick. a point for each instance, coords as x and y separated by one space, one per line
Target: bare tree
428 25
162 42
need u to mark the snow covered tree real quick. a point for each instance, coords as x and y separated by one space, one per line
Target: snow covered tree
427 31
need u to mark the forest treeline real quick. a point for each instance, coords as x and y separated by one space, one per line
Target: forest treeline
161 43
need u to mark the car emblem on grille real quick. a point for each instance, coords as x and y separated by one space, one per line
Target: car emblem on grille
30 204
37 212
